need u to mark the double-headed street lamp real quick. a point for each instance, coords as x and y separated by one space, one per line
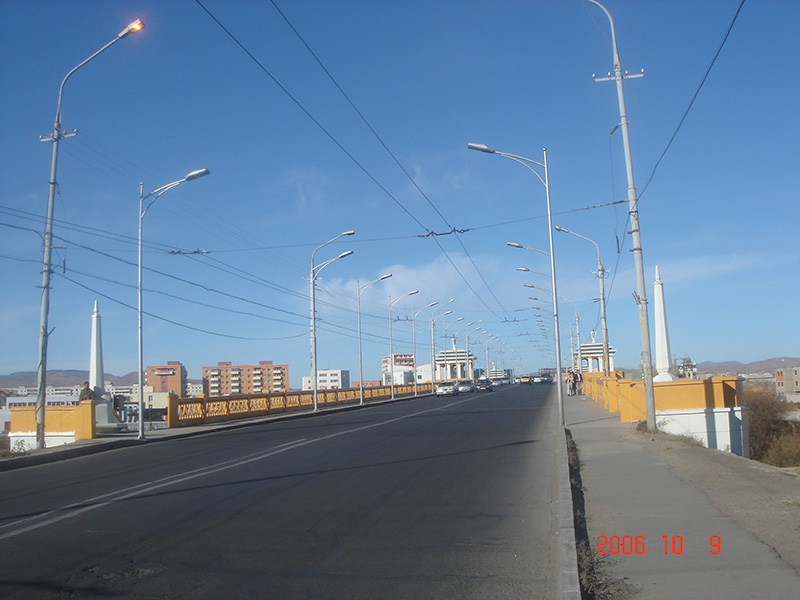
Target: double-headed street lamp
155 194
360 289
312 278
433 340
391 346
44 328
527 162
444 335
414 335
601 273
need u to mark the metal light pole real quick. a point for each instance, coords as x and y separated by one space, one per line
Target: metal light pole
466 358
444 335
312 278
391 348
155 194
44 332
360 290
601 273
546 182
414 336
641 292
433 342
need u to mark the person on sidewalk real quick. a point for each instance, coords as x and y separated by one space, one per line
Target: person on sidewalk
578 383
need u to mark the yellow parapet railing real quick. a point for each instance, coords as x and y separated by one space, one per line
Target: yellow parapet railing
68 423
616 394
183 412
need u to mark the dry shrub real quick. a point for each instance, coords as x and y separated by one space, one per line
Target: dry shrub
784 451
768 429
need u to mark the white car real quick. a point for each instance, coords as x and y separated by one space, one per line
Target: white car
465 385
447 388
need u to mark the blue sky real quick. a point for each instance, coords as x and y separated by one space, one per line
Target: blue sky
293 165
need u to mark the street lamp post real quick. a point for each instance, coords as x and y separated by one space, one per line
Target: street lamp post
391 347
155 194
546 182
360 289
433 341
444 335
601 273
414 336
312 278
636 239
44 333
466 358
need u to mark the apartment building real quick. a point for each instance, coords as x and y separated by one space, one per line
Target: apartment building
328 379
227 379
167 378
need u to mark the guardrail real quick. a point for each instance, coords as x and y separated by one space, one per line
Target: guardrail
183 412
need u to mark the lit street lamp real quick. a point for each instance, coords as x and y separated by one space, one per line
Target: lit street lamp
601 273
361 289
312 278
155 194
44 328
527 162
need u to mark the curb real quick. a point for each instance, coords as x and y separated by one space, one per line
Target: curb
569 582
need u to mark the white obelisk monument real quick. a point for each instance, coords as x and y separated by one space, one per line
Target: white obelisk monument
104 415
663 354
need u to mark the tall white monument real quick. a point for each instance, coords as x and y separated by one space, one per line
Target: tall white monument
663 354
104 415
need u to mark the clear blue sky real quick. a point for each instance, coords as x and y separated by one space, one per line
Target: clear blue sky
720 215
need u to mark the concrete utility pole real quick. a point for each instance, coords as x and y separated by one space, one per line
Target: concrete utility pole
44 328
641 293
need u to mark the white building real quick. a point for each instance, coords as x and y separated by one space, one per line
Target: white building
328 379
454 363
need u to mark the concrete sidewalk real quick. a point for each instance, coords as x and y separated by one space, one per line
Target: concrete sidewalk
631 494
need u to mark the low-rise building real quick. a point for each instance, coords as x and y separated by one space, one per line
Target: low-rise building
167 378
328 379
787 383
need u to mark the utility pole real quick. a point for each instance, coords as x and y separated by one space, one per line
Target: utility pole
640 295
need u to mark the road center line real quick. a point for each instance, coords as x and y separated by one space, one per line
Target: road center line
73 510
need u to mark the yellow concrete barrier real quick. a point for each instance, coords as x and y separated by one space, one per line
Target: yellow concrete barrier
616 394
183 412
77 419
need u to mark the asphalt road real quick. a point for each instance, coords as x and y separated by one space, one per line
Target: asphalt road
431 498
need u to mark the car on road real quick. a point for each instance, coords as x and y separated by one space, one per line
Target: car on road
543 378
447 388
524 379
483 385
466 385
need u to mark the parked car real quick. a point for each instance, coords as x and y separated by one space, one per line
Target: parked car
483 385
466 385
447 388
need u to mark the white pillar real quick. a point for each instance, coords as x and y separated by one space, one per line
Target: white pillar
96 357
663 354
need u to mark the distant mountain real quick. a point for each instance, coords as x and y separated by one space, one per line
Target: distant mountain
61 378
762 366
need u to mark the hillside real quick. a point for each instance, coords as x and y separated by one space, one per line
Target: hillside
60 378
768 365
